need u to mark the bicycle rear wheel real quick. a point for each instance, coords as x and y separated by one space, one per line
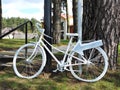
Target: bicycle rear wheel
91 66
28 62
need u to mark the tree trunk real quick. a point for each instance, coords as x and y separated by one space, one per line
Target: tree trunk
67 14
89 19
101 22
56 21
47 25
75 19
0 17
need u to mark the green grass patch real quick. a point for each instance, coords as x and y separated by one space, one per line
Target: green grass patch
16 43
10 44
63 42
119 54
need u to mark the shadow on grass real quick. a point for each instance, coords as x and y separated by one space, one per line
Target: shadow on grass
113 77
11 85
47 85
61 77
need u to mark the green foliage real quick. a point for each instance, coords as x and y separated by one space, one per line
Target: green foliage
16 21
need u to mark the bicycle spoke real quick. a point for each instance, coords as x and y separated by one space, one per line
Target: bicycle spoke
91 54
94 67
28 64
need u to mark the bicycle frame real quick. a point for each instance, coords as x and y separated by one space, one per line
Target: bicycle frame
65 53
79 48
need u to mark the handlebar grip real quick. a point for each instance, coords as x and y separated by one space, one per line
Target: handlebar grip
39 29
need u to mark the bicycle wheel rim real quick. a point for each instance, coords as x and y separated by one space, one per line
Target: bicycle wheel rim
90 72
31 68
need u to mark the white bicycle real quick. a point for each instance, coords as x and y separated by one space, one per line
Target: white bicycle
86 61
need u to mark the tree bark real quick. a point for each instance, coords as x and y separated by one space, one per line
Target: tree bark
101 22
47 25
89 19
56 21
0 17
67 14
75 19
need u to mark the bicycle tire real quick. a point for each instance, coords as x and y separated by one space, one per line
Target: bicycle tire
27 64
92 70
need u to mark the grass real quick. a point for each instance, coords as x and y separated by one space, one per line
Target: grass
6 44
10 44
54 81
59 81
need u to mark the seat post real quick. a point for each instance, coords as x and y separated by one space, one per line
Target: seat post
80 16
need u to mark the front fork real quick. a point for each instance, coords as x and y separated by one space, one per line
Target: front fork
31 57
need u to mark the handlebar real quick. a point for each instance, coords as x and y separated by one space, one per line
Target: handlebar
42 30
39 29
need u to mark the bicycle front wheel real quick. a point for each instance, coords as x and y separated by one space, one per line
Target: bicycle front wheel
29 61
91 66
